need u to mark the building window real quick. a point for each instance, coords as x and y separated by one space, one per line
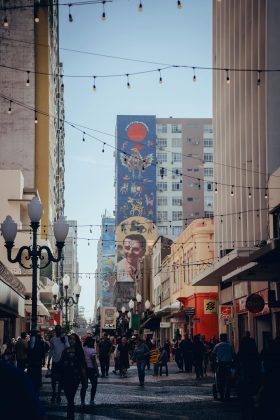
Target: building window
162 201
176 157
162 172
208 214
162 128
162 157
176 186
162 216
208 171
208 157
209 186
176 230
162 186
163 230
176 142
196 169
176 128
208 142
176 201
189 169
176 216
161 142
176 172
190 199
208 129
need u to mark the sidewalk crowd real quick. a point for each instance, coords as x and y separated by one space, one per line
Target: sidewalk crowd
72 361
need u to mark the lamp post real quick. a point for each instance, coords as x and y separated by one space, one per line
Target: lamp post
35 251
138 300
65 299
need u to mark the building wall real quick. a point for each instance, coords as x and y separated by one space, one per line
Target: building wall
70 265
240 118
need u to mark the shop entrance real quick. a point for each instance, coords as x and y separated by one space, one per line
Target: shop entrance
263 331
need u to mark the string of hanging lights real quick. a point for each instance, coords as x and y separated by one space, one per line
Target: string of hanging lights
156 164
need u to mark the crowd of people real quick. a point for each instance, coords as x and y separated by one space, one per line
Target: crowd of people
72 362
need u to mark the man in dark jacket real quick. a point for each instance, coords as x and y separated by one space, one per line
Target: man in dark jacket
186 347
105 348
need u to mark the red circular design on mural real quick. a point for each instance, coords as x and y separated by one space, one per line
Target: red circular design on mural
136 132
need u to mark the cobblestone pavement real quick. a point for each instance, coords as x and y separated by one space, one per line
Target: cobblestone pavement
177 395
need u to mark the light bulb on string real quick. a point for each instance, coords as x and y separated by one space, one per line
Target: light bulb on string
84 139
27 80
249 193
160 77
179 4
6 23
259 78
140 7
70 17
36 17
10 108
232 191
266 195
216 188
103 16
35 119
127 82
228 79
194 75
103 148
94 85
61 82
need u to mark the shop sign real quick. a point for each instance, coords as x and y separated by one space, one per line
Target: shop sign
210 306
108 318
196 320
189 311
135 321
255 303
165 324
225 311
241 305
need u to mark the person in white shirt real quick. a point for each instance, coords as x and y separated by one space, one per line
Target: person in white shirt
92 370
58 343
223 354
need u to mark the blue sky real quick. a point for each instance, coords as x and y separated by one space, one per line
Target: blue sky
161 33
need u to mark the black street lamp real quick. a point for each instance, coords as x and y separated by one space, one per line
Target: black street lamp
66 300
34 252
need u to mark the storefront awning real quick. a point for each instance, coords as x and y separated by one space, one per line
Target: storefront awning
41 309
215 274
151 323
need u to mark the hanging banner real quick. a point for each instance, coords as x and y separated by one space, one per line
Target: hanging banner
108 318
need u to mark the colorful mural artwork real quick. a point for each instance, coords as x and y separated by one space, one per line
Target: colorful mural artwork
135 238
107 276
135 167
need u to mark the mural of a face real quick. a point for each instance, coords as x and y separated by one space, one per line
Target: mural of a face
133 251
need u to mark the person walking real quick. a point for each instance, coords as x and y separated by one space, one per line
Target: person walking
73 371
162 361
105 348
91 370
186 347
21 349
123 349
35 356
141 353
198 356
223 354
178 354
58 343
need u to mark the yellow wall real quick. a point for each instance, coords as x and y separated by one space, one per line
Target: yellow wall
42 104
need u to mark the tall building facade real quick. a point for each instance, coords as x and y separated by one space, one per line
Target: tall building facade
71 265
184 172
247 157
31 102
105 273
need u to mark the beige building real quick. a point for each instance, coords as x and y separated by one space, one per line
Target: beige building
246 155
174 293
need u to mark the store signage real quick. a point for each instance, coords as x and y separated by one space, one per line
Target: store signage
189 311
255 303
165 325
196 320
108 318
225 311
210 306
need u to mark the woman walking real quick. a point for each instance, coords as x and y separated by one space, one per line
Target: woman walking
91 369
141 353
73 371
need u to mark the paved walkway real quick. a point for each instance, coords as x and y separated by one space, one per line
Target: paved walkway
178 394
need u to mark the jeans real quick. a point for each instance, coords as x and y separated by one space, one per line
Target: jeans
70 388
92 376
104 364
141 371
160 365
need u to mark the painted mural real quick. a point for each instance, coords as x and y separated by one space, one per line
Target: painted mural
135 167
107 277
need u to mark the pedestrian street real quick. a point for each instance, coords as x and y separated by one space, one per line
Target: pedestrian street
177 395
